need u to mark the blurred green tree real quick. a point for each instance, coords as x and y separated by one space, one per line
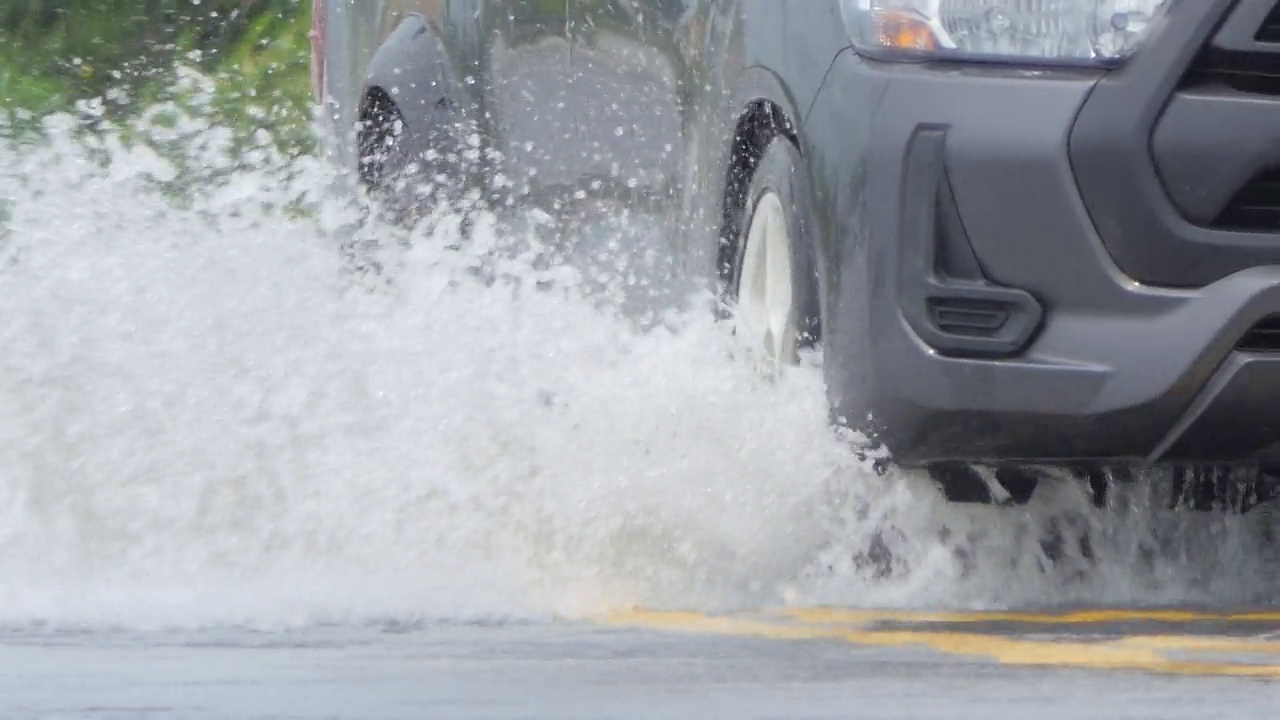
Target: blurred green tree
54 53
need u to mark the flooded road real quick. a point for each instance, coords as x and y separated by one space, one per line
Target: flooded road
244 475
642 665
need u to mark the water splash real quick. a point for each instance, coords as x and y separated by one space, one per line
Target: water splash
207 417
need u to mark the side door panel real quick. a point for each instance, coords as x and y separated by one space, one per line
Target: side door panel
628 81
527 99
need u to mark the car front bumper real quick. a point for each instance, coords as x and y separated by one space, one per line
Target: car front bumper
1108 368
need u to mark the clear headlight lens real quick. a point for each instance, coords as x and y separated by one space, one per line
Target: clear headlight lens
1090 31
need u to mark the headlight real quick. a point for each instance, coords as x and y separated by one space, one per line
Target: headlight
1054 31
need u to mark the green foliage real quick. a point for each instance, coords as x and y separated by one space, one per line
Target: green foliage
265 81
57 53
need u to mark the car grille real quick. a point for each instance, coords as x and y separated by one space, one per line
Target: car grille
1177 154
1256 207
1251 71
1270 30
1263 337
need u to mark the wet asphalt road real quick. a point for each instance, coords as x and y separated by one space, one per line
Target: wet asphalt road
649 665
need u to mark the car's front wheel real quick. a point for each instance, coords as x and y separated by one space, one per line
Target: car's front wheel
773 285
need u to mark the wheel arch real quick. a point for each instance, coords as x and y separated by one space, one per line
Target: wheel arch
763 110
412 70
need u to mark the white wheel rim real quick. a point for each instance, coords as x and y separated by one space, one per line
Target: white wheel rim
765 314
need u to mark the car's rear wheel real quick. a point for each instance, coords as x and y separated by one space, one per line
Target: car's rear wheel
773 286
412 173
383 148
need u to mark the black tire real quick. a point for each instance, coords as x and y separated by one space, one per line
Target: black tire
410 173
382 150
781 170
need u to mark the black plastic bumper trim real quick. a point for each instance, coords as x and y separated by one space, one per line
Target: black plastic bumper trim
1235 418
944 297
1116 172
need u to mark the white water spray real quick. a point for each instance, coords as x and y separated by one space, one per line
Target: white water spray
206 419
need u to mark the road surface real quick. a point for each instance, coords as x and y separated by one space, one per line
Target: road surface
800 664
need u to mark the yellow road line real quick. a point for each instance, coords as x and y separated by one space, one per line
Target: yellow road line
1078 617
1107 655
1193 643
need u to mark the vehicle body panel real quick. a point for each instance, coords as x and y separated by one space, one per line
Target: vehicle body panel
525 52
1038 209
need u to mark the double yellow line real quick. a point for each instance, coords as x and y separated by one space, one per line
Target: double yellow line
1160 653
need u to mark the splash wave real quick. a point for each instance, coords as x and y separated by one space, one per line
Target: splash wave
206 417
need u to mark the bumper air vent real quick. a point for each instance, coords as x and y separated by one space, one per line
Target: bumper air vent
1270 30
1256 207
968 318
1263 337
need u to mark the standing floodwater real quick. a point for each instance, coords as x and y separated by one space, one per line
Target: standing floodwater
265 456
207 417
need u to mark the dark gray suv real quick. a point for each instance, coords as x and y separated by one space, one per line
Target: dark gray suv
1024 233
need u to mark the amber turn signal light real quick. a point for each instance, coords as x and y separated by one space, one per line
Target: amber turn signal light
903 31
